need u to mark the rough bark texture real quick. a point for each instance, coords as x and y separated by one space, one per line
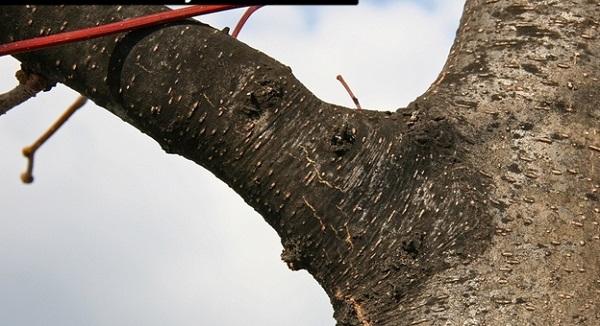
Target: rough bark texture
476 205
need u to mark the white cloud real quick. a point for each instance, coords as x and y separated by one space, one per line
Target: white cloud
114 231
388 54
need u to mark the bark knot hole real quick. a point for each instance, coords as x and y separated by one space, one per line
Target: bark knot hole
267 95
342 139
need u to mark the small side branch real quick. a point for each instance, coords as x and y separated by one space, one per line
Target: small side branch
354 98
29 86
29 151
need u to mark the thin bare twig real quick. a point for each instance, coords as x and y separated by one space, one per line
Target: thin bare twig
354 98
29 151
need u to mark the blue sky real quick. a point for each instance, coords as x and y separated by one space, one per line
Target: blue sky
312 14
115 232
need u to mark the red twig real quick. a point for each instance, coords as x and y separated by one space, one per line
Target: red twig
354 98
243 20
112 28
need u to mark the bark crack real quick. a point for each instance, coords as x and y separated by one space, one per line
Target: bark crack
314 213
318 173
358 309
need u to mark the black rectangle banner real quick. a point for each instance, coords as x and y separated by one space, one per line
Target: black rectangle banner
184 2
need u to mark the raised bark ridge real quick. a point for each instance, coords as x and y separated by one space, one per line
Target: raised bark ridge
477 204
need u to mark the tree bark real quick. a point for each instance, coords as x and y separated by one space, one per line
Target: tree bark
478 204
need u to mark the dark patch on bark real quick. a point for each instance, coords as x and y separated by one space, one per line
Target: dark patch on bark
526 125
267 95
342 139
557 136
535 31
514 168
509 12
530 68
253 110
560 104
413 246
496 97
583 95
435 134
492 126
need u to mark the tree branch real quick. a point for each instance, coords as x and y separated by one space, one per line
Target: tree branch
315 171
394 214
29 86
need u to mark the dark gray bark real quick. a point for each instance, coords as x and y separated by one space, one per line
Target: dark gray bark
478 204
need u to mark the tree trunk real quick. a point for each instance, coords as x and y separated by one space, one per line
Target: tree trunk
478 204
